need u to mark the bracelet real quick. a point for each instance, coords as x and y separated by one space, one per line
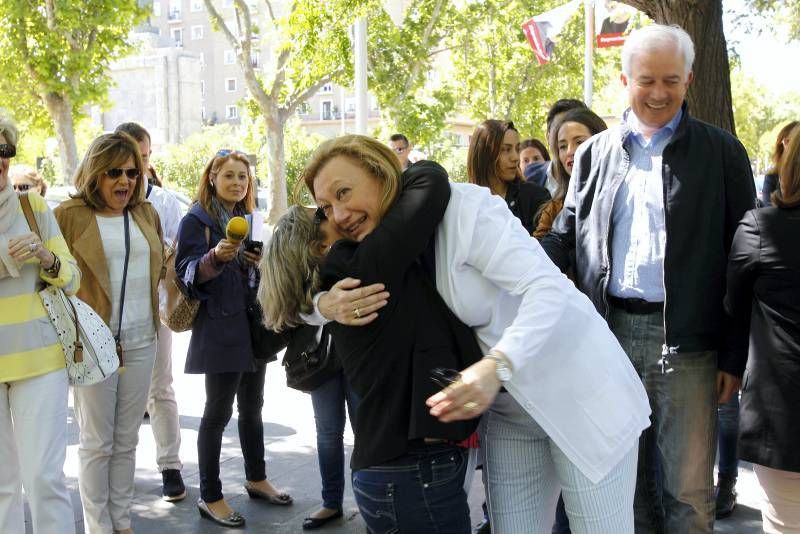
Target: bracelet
53 270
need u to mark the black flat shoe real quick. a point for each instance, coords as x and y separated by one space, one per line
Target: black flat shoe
310 523
234 519
282 499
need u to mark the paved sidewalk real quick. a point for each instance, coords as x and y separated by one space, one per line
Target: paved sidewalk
291 465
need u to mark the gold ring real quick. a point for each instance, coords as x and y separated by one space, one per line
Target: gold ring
357 313
470 405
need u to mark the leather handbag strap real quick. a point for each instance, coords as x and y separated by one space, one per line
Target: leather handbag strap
27 210
124 271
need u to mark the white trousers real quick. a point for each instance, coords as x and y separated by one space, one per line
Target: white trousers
110 414
33 445
780 500
524 471
162 407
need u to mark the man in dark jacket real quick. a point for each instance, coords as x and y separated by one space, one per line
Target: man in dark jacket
650 214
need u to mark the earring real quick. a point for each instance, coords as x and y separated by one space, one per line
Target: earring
212 183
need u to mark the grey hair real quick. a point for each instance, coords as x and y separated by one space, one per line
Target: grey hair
290 270
7 128
655 38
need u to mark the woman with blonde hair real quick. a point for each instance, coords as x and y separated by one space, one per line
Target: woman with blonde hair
408 474
772 177
115 235
763 284
222 274
563 420
26 178
33 378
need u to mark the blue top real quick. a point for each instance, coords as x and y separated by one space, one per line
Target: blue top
639 233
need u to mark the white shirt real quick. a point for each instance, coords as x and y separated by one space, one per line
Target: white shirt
169 211
570 373
137 313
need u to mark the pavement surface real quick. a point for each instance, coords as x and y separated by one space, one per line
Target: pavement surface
290 441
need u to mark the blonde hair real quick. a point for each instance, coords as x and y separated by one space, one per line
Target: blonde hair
789 182
26 172
206 191
107 152
290 270
366 152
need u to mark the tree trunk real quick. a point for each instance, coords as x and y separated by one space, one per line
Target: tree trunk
276 182
60 109
709 95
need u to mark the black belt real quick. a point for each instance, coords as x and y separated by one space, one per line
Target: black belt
636 306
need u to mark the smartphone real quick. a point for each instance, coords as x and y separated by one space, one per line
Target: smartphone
254 246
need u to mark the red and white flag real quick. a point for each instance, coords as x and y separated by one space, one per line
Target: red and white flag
542 30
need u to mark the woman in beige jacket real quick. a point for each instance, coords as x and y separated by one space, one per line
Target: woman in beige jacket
114 234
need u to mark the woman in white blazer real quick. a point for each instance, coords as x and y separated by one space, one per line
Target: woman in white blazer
572 407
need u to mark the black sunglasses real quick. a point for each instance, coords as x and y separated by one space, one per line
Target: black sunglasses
117 173
7 150
443 377
22 187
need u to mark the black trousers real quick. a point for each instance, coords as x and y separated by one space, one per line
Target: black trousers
221 388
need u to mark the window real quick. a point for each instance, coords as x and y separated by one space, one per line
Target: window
203 113
327 88
156 9
350 105
303 109
230 85
326 110
255 58
174 13
231 112
177 36
229 57
197 5
202 88
197 32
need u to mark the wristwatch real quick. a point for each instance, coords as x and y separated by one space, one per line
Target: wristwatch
501 368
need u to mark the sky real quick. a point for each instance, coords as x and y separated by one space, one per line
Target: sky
767 56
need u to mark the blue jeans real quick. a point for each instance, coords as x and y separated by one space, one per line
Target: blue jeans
681 443
728 417
329 403
421 491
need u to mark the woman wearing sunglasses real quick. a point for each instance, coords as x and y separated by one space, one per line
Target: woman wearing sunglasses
222 274
33 378
115 235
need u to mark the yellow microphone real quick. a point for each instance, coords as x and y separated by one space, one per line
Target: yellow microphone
237 229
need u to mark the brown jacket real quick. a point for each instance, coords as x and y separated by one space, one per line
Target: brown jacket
549 213
79 226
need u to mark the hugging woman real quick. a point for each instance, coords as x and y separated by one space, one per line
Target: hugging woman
408 473
573 407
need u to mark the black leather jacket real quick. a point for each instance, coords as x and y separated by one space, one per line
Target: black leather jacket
708 186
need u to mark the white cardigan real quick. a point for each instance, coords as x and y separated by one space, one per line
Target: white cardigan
570 373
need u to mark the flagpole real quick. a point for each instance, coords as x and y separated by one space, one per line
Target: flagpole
588 81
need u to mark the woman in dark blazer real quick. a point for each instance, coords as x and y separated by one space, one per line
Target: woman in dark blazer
764 288
217 271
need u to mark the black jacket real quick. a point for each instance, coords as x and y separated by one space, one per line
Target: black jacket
708 186
764 290
388 362
524 200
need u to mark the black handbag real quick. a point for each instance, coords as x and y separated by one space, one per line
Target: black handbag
266 343
310 363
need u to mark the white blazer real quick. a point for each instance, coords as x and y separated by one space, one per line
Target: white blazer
570 373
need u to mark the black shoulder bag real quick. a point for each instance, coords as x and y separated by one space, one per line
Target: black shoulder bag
310 364
117 338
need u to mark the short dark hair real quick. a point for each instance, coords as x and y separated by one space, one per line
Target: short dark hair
484 148
135 130
538 145
399 137
560 106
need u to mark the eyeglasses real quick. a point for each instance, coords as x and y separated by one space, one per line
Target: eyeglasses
115 174
224 152
7 150
22 187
